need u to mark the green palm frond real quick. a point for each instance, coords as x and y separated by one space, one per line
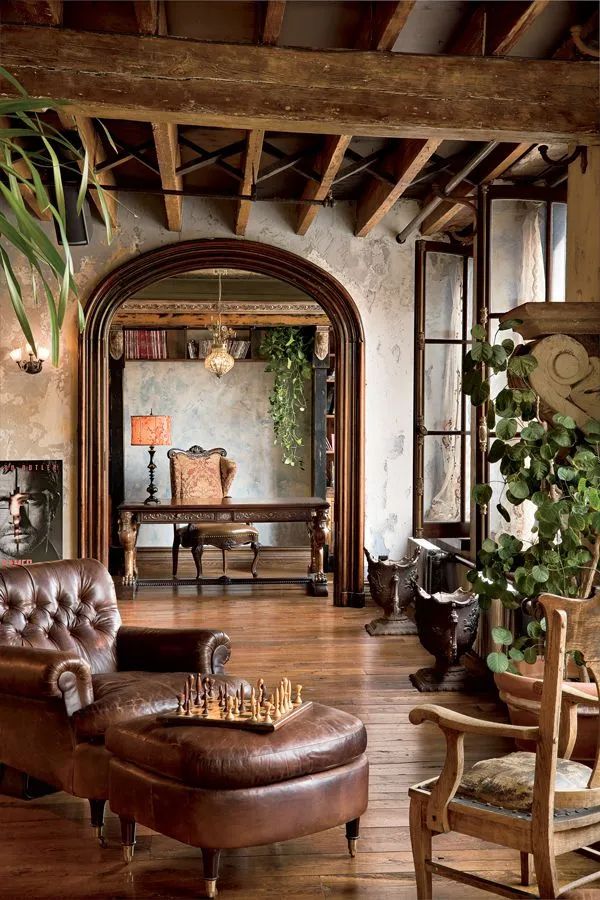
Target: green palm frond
36 158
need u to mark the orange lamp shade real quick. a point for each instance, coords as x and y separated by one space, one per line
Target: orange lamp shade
150 431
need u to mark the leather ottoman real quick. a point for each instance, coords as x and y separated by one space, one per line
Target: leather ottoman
217 788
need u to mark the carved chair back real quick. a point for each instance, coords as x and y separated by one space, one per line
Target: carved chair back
64 605
571 625
201 474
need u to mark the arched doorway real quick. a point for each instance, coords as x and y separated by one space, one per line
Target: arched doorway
132 276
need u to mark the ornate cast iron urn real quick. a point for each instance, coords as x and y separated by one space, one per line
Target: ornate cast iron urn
447 626
391 589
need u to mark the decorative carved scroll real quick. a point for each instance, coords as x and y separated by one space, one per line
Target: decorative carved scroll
567 379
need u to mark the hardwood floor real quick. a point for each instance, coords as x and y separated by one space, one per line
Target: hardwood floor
47 849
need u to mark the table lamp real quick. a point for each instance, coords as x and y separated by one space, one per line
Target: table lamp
151 431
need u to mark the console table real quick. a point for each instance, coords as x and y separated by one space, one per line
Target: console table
312 510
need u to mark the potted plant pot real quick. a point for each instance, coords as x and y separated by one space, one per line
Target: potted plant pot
390 582
524 708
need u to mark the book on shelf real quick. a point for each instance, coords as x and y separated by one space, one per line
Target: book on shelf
145 343
328 445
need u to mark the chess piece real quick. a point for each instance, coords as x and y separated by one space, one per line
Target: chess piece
236 705
198 691
277 710
205 707
260 690
288 695
180 704
298 697
242 706
267 719
253 716
229 716
211 684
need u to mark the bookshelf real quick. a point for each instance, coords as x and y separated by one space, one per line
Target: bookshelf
186 344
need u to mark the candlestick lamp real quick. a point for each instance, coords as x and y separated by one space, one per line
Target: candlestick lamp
151 431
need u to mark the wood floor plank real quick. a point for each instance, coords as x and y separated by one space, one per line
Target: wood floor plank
47 849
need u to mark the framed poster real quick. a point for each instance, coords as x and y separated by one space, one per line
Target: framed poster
31 516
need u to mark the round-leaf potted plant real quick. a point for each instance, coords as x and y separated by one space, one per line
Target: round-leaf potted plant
554 465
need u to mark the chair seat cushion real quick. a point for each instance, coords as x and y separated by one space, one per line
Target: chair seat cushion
221 758
120 696
507 782
218 531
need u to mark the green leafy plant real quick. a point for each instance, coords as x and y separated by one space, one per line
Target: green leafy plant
36 159
288 350
556 466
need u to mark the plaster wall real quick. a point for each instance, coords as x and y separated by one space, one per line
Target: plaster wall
38 414
231 412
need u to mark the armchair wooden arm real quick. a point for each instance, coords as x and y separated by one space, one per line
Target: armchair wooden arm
455 725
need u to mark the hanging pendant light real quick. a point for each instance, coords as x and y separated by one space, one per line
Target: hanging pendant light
220 361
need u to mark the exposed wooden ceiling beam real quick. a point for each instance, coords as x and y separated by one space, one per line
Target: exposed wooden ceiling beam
496 164
167 155
386 19
96 155
273 21
150 16
493 29
330 160
285 89
252 154
378 198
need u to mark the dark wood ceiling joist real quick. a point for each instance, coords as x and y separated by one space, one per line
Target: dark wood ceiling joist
283 89
493 29
167 154
404 163
384 21
330 160
252 154
274 11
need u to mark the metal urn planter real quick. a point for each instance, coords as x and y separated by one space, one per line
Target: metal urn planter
391 588
447 627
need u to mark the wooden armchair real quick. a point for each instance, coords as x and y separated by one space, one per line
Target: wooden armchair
539 803
207 475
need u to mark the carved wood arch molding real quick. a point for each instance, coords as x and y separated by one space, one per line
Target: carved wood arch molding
175 259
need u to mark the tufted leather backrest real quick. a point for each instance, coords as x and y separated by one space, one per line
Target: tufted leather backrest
67 605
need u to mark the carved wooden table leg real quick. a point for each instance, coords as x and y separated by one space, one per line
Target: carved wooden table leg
128 532
318 528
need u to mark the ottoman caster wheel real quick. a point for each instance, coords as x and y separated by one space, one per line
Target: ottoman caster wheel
210 887
352 835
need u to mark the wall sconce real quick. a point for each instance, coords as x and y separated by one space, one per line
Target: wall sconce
34 364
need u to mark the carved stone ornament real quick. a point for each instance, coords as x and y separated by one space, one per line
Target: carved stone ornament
116 343
567 379
391 589
321 343
447 627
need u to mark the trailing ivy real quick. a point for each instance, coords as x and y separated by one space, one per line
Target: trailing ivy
289 351
556 466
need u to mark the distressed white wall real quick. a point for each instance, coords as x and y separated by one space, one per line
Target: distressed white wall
38 414
231 412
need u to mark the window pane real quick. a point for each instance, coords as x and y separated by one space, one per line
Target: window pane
441 500
443 392
443 292
517 242
559 251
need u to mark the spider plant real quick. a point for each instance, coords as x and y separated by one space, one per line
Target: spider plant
36 158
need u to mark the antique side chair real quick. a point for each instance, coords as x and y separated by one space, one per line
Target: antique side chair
539 803
207 475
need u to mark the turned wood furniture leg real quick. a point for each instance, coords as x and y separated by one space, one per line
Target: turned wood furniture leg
352 836
175 553
128 532
254 569
210 862
197 551
318 528
97 818
420 839
525 871
127 838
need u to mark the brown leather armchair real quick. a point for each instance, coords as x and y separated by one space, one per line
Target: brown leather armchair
69 669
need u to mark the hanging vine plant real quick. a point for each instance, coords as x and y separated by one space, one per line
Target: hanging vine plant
36 160
289 351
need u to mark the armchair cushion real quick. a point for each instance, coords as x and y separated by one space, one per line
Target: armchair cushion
172 649
120 696
42 674
507 782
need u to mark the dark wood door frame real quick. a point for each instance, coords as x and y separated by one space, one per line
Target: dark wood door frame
175 259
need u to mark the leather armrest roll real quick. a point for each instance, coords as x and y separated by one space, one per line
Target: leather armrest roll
172 649
45 674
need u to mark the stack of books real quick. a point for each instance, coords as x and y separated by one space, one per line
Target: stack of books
145 343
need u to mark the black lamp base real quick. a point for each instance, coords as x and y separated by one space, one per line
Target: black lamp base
152 489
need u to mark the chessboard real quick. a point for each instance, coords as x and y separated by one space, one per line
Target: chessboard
202 703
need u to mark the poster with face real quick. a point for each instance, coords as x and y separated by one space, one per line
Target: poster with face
30 511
